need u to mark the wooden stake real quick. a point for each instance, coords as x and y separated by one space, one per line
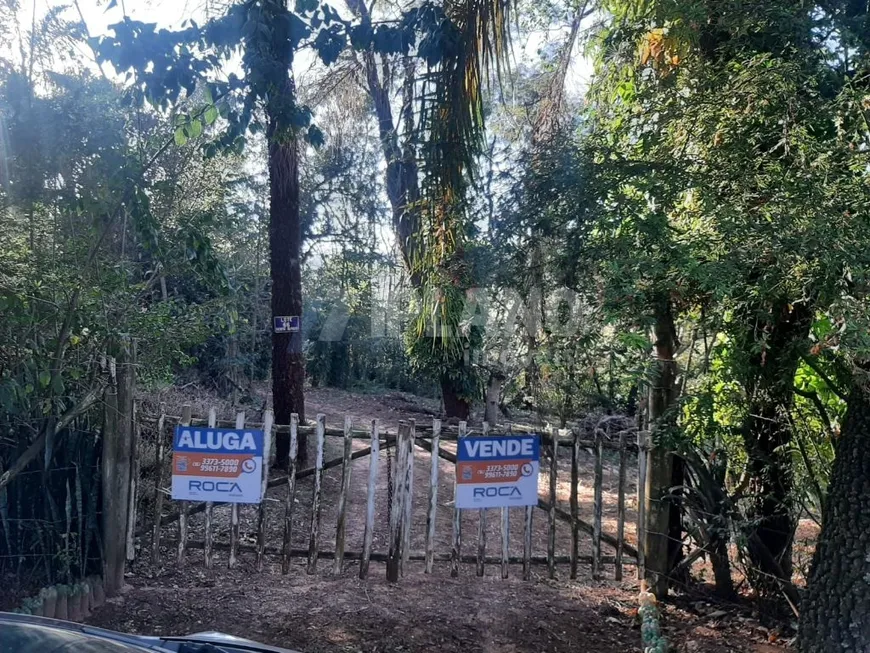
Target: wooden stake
117 469
551 517
598 506
133 509
505 541
620 509
268 420
370 501
575 504
315 500
158 487
408 498
234 510
481 529
527 543
290 499
397 510
184 508
456 548
341 519
433 496
209 507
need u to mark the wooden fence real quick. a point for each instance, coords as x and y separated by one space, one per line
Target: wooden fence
436 440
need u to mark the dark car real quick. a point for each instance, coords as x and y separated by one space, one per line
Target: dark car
26 634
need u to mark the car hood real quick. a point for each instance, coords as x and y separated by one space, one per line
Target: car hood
41 634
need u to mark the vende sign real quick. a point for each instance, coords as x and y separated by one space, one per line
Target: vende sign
498 471
211 464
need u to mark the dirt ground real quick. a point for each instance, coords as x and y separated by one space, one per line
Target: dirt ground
326 613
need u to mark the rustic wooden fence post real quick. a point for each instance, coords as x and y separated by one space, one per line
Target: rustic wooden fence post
184 508
575 503
343 493
505 542
133 505
551 515
408 498
314 531
598 505
528 512
433 496
234 510
268 421
456 548
641 503
505 532
114 515
527 542
117 469
620 509
397 511
370 500
481 528
158 487
209 507
290 499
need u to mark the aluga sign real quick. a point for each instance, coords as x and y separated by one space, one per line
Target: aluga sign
211 464
498 471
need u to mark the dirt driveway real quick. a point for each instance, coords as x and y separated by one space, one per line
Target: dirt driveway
321 613
328 614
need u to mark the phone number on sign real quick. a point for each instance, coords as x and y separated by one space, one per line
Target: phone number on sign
219 465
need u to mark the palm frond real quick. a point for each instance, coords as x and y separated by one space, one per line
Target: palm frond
474 42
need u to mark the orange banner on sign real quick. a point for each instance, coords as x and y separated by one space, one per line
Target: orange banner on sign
502 471
211 465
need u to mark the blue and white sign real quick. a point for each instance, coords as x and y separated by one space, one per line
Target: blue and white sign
498 471
286 323
210 464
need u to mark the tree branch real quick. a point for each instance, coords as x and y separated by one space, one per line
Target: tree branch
814 366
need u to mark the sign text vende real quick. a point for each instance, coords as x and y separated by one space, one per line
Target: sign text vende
498 471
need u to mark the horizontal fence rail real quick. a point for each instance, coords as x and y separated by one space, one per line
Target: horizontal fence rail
392 461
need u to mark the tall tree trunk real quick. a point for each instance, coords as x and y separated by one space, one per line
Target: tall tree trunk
771 484
767 432
285 251
454 404
835 611
658 508
493 396
721 563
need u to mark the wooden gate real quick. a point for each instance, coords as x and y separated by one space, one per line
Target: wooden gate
416 521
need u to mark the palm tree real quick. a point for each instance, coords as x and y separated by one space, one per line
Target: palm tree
431 153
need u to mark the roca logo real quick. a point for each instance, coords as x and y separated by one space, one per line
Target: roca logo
214 486
481 492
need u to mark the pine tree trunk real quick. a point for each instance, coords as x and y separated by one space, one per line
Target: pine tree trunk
835 611
285 245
